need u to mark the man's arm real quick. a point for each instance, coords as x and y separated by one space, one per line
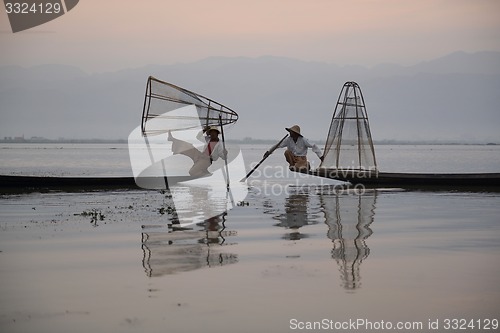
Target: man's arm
314 148
280 144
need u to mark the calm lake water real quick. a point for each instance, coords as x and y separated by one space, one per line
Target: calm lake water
296 253
114 160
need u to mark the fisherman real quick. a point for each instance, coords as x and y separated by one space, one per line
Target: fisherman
212 151
296 152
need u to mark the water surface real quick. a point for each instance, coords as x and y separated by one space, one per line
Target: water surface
297 249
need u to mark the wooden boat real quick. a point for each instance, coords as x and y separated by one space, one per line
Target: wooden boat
349 153
24 183
484 180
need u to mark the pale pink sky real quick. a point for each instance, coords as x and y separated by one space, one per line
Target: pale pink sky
107 35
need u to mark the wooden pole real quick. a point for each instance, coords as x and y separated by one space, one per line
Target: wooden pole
263 159
224 147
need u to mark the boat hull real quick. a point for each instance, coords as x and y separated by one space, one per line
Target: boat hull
410 179
26 183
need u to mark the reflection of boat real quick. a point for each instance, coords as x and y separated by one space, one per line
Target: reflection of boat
349 217
186 250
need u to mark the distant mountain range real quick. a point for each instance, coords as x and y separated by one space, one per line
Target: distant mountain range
453 98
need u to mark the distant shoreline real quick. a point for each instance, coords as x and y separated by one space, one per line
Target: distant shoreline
35 140
62 140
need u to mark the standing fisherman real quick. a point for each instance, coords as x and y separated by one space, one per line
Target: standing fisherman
201 159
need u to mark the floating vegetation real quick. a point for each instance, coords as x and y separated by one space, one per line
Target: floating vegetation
94 214
167 206
167 193
167 210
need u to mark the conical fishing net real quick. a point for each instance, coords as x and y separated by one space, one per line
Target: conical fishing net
349 144
170 108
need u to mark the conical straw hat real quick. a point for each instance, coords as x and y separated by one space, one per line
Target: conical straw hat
295 129
213 128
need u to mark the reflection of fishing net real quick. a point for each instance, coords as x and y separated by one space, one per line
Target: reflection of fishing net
185 250
349 218
349 143
170 108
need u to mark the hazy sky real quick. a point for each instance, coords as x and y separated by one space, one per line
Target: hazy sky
107 35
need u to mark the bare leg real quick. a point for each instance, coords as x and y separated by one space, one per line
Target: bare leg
290 157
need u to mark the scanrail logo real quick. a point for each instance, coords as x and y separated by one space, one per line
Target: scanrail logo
180 150
173 163
27 14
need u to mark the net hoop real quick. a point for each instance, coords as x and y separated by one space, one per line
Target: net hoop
161 98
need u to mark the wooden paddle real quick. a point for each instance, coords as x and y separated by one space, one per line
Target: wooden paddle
263 159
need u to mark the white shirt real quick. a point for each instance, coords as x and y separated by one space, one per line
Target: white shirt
217 150
299 148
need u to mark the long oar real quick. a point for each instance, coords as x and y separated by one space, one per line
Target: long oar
263 159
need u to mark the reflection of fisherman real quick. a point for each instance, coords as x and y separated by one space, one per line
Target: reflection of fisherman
212 150
295 212
295 216
296 152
